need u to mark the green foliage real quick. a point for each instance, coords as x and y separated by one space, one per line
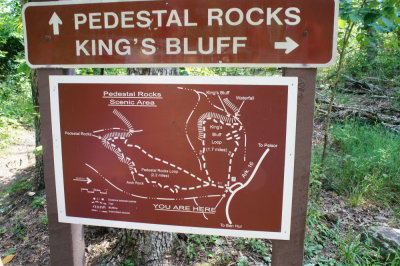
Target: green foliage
318 234
10 252
196 243
11 41
16 105
384 69
373 48
243 262
221 259
366 145
358 249
381 15
351 249
38 150
19 228
38 202
18 187
227 71
98 71
253 244
316 177
16 108
365 163
348 247
128 262
6 126
15 94
44 220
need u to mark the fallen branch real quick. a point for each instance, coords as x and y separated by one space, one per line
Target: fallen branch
373 115
364 85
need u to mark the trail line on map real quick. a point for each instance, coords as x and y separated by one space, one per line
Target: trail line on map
143 197
241 186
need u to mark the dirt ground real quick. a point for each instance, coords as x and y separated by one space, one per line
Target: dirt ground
17 157
23 228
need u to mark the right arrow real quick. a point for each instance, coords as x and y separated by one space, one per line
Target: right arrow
289 45
56 22
83 179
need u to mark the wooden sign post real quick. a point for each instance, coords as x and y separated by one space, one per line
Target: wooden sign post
291 252
67 246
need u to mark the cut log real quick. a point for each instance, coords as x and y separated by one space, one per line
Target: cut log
363 85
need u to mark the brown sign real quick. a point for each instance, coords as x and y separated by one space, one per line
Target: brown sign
181 32
174 154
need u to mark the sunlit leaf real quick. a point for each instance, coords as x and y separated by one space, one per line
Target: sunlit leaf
342 23
8 259
360 37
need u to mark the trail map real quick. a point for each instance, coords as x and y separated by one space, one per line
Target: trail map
183 155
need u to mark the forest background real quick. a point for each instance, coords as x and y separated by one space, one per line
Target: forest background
355 179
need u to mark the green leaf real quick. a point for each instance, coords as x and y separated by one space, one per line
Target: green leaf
342 23
38 150
388 22
360 37
371 18
24 68
355 18
379 28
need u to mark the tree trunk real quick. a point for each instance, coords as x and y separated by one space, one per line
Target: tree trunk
372 46
38 178
143 248
148 248
152 248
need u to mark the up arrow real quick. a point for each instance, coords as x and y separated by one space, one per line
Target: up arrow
289 45
56 22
